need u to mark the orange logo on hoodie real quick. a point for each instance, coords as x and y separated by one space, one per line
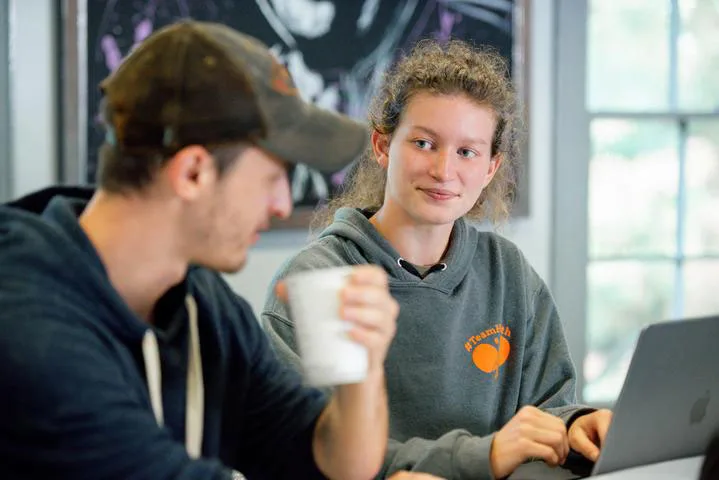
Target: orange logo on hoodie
490 349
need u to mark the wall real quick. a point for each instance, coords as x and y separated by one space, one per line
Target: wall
33 90
34 97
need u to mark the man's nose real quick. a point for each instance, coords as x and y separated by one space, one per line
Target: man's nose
281 201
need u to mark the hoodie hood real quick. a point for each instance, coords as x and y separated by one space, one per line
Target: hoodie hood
70 268
47 222
366 245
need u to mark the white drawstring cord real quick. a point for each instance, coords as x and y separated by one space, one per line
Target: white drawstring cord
151 355
195 407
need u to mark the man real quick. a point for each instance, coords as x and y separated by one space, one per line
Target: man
122 353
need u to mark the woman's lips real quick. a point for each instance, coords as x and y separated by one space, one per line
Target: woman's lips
438 193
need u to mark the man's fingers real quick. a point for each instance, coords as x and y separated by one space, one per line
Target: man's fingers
361 276
369 275
369 338
365 318
364 295
369 306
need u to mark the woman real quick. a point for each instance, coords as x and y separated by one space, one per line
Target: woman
479 375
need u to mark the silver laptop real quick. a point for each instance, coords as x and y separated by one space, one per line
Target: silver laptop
668 407
669 404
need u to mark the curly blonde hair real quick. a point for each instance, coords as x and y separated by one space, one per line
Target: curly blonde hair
450 68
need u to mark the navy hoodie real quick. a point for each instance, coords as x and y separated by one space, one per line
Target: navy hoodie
74 396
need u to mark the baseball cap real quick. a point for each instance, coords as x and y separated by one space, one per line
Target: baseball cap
205 83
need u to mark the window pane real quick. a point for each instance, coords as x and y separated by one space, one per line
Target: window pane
633 183
699 55
628 55
622 297
702 177
700 288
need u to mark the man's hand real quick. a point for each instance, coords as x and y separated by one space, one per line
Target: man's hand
587 433
366 302
368 305
531 433
350 438
413 476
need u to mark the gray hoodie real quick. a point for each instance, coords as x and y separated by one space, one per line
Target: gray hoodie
475 341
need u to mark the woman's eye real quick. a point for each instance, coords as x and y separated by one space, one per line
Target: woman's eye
467 153
423 144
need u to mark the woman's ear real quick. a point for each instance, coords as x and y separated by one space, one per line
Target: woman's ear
493 167
380 147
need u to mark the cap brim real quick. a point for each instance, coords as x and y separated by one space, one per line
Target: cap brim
319 138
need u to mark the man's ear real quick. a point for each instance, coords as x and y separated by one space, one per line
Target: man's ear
191 171
380 147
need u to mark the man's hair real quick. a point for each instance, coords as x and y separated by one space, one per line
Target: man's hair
123 172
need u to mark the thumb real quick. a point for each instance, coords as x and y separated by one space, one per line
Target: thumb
281 290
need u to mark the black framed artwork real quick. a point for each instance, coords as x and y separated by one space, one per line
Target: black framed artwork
336 51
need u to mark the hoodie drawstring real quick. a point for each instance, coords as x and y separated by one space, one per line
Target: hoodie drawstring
195 406
151 354
438 267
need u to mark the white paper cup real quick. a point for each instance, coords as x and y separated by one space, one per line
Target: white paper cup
328 355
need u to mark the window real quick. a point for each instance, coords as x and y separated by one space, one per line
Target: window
652 101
